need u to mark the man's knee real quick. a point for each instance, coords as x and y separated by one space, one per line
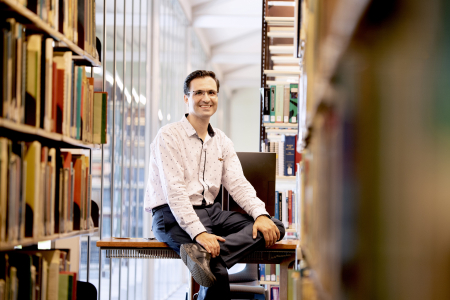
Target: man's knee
280 227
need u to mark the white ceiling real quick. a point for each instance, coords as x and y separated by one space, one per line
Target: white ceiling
230 30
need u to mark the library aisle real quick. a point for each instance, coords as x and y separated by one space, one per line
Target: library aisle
347 99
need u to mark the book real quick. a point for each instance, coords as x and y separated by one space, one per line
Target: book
47 81
286 104
281 152
272 104
289 155
262 272
3 186
289 196
265 103
60 92
33 159
273 272
279 103
275 293
64 62
293 102
277 207
97 126
33 80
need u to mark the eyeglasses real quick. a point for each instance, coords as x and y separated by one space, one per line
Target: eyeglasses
199 94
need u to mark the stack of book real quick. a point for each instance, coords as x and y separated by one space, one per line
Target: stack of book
40 274
43 88
270 277
287 155
42 191
285 208
75 19
280 103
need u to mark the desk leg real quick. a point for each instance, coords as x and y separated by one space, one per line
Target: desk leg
284 276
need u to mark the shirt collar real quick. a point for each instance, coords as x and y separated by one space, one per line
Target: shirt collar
190 129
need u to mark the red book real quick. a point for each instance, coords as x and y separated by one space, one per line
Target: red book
59 100
54 96
290 207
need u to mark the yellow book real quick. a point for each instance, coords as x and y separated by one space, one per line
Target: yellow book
97 136
33 160
3 186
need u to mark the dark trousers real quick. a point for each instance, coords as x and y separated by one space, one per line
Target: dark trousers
236 228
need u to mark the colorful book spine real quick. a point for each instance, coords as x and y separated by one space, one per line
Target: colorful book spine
277 207
262 272
293 102
279 102
289 155
286 104
272 104
265 102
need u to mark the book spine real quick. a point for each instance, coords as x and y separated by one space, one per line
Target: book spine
265 102
272 104
279 96
293 103
277 208
262 272
290 208
289 155
286 104
280 205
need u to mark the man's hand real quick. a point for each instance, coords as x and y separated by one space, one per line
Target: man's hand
268 229
210 242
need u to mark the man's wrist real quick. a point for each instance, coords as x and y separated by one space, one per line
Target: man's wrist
195 238
264 215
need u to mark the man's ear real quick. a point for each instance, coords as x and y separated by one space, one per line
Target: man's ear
186 99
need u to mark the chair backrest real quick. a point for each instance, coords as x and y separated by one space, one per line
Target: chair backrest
259 169
248 274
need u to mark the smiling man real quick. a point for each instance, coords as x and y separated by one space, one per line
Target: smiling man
189 161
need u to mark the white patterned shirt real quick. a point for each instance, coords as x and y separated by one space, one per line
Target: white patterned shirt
184 171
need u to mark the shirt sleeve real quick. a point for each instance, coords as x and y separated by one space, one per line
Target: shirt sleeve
237 185
169 160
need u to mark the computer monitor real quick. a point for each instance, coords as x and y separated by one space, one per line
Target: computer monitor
259 169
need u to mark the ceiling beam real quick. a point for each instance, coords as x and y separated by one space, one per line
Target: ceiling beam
227 21
236 58
236 39
207 5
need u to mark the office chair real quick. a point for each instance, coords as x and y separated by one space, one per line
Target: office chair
245 284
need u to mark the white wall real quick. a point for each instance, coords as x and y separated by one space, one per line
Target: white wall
244 119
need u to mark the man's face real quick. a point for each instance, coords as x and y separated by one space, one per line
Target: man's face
202 106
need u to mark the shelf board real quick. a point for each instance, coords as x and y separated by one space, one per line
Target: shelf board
288 49
273 73
280 34
281 131
44 27
269 282
39 133
280 125
286 178
33 241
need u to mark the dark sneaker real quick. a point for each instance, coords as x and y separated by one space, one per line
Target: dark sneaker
197 260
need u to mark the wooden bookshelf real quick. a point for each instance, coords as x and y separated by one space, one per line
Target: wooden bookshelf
280 125
33 241
35 22
31 132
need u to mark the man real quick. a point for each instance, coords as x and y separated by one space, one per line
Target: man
189 161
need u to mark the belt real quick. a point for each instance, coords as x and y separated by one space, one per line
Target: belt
155 209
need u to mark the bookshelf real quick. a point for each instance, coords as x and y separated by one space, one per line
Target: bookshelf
28 132
28 17
48 109
34 241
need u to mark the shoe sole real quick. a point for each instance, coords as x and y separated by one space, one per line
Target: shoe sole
197 272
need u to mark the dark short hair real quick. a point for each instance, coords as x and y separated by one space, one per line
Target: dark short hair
199 74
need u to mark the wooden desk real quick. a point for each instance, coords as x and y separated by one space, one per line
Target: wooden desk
283 253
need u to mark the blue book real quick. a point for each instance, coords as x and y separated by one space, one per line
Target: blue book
262 272
277 207
289 155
